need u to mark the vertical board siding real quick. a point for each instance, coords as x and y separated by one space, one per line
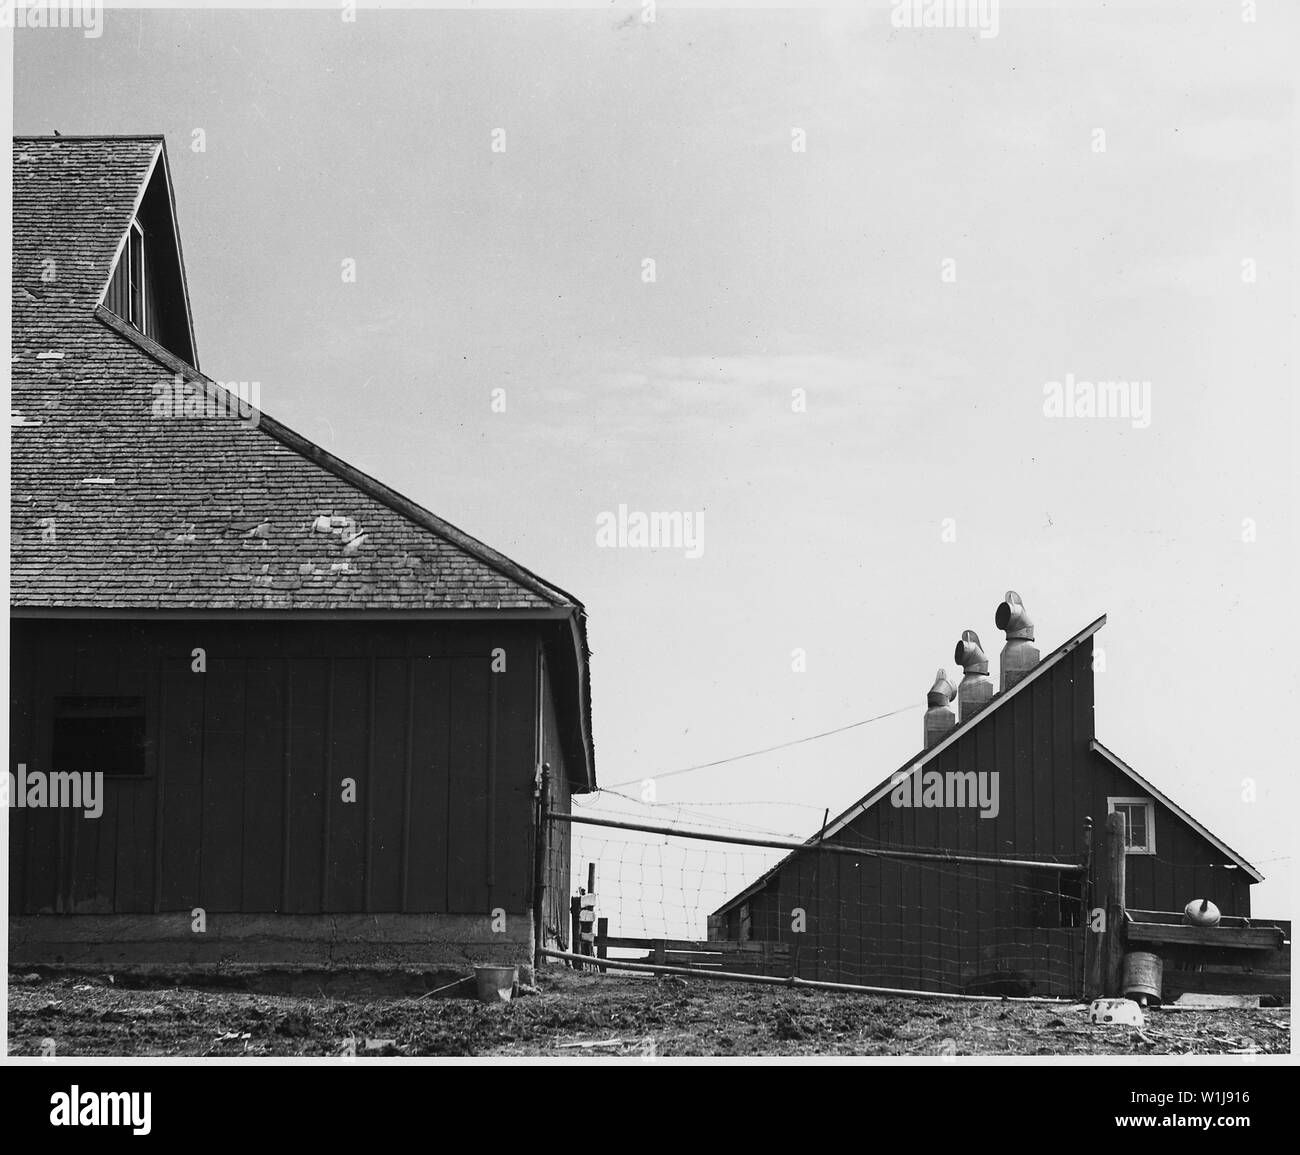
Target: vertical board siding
181 768
558 883
263 774
387 792
467 859
430 815
514 767
349 757
221 869
307 707
242 808
22 732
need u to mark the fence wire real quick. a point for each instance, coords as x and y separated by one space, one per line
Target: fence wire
961 928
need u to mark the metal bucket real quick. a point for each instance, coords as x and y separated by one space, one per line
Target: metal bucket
496 983
1142 974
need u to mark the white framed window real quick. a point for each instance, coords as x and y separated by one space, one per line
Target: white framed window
135 276
1139 823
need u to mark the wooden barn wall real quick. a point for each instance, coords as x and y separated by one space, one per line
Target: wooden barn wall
241 808
555 918
1185 865
942 927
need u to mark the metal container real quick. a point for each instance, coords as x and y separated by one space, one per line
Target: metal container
1143 972
496 984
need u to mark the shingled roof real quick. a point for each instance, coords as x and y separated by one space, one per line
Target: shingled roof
117 507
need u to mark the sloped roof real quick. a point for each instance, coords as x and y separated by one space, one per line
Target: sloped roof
1128 771
917 761
116 507
73 201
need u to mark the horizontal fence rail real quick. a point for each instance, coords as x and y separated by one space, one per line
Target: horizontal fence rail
790 980
821 846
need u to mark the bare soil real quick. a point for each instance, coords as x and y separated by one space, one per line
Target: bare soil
586 1015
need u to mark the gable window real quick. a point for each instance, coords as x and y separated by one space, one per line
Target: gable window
1139 823
126 291
135 274
146 288
99 735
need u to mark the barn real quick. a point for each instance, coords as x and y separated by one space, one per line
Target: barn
968 878
265 711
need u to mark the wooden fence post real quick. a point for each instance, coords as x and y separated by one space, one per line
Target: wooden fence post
602 947
1094 891
575 929
587 915
1116 855
540 863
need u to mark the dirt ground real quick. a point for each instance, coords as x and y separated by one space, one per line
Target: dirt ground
585 1015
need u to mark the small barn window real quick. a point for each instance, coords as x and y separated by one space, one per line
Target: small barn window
127 289
99 735
1139 823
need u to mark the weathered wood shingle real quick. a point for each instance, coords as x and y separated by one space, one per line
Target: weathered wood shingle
118 504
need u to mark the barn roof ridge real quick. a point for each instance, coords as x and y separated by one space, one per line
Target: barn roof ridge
30 136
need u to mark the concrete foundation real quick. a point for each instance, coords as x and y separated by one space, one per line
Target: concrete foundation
249 944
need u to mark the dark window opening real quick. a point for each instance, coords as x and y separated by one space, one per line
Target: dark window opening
1069 889
99 735
1050 907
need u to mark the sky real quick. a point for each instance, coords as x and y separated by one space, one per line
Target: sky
841 360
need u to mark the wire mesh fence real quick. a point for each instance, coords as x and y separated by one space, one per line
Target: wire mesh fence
899 917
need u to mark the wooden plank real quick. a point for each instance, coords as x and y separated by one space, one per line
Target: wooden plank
1219 937
467 865
137 864
995 742
428 847
55 674
514 765
388 784
221 870
1062 684
306 771
263 785
180 760
348 759
135 840
104 895
1241 982
22 745
1178 918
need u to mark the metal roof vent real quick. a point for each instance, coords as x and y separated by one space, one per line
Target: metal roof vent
976 689
938 718
1019 656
